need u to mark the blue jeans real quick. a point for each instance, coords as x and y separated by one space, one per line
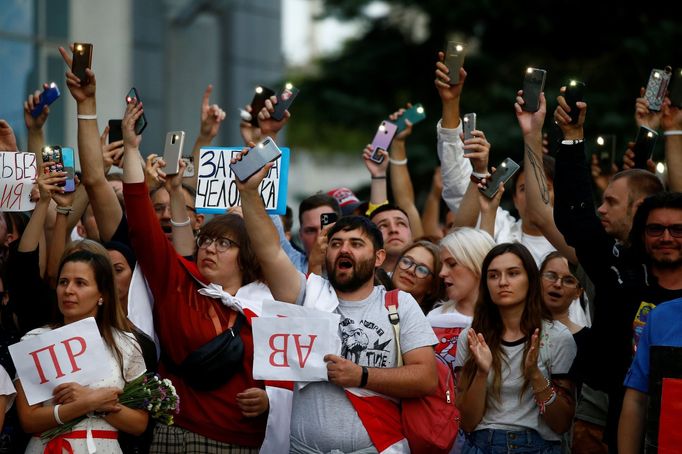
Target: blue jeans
497 441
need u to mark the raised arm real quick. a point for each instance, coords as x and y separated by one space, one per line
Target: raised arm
60 232
8 141
181 225
36 137
280 274
431 211
476 150
671 122
455 169
211 117
539 207
378 194
401 183
107 210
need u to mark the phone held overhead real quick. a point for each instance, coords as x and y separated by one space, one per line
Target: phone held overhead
255 159
454 59
47 97
134 97
82 59
533 85
502 174
382 140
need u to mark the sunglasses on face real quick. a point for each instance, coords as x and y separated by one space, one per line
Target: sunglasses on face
657 230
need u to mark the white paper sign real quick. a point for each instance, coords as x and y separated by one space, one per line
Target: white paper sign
17 172
72 353
291 348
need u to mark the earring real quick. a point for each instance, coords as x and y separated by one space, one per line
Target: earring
100 301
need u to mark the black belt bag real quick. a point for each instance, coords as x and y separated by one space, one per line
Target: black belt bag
214 363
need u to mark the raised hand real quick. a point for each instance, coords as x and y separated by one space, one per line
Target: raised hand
480 351
111 152
252 183
48 182
211 116
477 150
153 174
8 142
531 363
446 91
405 133
33 99
80 91
268 125
563 119
530 122
375 169
644 116
134 111
249 132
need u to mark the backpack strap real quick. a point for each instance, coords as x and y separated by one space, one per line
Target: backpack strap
391 304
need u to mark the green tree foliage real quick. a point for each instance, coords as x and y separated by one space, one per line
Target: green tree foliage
611 46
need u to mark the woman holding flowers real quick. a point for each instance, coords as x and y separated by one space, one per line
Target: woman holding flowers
86 288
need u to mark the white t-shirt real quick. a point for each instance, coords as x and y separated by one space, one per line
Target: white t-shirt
7 388
516 410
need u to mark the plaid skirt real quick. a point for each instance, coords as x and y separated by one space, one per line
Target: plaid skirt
176 440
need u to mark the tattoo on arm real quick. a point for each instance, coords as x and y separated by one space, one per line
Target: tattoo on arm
539 174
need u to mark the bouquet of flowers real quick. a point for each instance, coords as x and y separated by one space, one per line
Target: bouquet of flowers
148 392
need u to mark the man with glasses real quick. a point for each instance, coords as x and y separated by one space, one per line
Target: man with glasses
657 238
161 201
610 246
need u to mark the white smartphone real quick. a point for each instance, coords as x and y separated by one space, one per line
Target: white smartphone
256 159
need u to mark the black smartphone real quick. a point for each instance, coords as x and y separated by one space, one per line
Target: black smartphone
676 88
468 125
47 97
115 132
328 218
82 59
575 90
533 85
141 123
285 98
502 174
644 146
657 87
258 102
454 59
256 159
605 149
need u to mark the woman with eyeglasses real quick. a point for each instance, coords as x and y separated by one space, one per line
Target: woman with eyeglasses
417 273
512 363
223 408
559 289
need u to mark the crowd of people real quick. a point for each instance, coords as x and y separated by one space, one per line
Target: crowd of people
551 324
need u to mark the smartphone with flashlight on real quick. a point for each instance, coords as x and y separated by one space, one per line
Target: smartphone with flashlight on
47 97
468 125
533 85
257 157
415 114
454 59
644 146
141 123
63 160
606 151
502 174
575 90
382 140
258 102
82 59
285 98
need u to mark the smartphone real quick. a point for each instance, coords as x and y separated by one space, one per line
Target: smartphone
172 151
468 125
657 87
63 162
285 98
382 140
454 59
328 218
676 88
533 85
415 114
606 152
141 122
69 166
644 146
575 90
256 159
189 170
258 102
47 97
82 59
502 174
115 132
